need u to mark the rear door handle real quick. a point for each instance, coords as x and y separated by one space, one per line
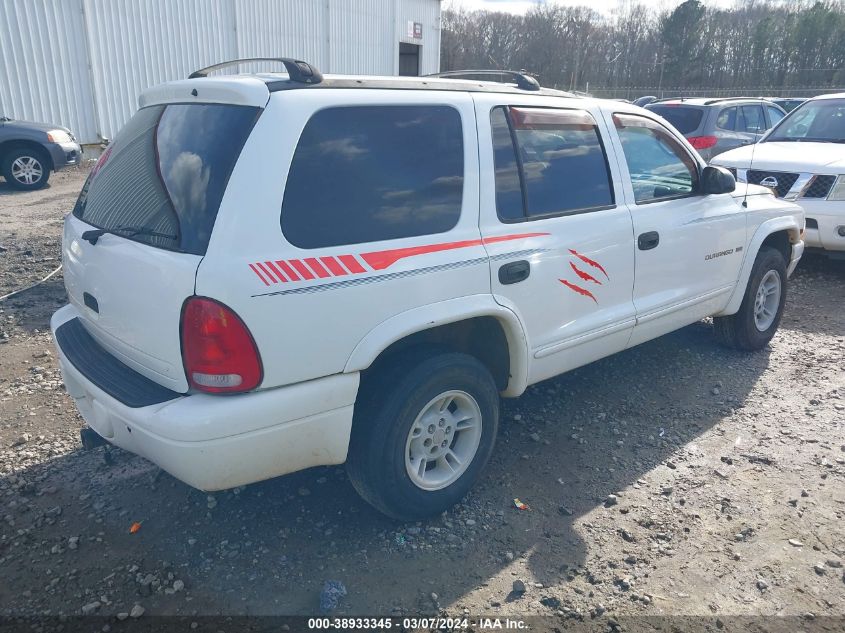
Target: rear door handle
514 272
647 241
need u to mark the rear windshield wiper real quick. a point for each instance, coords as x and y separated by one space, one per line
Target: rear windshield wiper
129 231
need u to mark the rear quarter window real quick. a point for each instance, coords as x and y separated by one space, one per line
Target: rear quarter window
162 179
685 119
371 173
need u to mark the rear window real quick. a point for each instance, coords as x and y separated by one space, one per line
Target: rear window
685 119
371 173
162 179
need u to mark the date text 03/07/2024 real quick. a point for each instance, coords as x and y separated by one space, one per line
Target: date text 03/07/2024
417 624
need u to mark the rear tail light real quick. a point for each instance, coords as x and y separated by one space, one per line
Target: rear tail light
218 351
702 142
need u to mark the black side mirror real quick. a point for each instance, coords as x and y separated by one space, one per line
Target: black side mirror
717 180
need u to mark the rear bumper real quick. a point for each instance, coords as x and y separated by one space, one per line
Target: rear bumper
218 442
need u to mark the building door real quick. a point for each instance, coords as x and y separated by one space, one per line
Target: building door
409 60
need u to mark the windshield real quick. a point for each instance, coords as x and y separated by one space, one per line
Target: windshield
815 121
685 119
162 179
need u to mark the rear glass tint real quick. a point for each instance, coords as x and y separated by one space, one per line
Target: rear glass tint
162 179
371 173
685 119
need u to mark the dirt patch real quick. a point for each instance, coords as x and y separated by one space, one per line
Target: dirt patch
676 478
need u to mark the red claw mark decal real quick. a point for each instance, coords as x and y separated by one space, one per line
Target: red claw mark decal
578 289
583 275
589 262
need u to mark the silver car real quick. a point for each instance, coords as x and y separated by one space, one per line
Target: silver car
713 126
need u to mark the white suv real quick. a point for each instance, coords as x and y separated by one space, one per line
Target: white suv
272 272
803 159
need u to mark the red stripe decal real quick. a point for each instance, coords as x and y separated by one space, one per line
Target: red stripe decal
276 271
314 265
508 238
578 289
301 269
351 264
583 275
267 272
260 276
290 272
589 262
334 266
384 259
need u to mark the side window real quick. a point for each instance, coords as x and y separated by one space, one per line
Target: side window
775 115
370 173
727 119
548 162
751 119
660 167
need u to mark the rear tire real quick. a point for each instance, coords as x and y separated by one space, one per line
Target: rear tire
757 320
26 169
424 428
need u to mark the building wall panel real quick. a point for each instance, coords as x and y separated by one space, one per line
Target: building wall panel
44 72
83 63
136 44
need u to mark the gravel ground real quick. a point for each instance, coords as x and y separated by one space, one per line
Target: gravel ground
676 478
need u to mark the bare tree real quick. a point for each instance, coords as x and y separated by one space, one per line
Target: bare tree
758 43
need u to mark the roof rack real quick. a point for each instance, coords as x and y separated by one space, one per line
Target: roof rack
712 101
521 78
298 70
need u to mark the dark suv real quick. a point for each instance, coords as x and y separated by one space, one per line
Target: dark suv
30 151
713 126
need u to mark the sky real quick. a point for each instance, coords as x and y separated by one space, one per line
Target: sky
604 6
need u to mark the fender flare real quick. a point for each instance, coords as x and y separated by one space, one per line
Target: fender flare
430 316
768 227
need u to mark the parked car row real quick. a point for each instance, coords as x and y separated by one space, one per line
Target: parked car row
714 126
792 146
802 159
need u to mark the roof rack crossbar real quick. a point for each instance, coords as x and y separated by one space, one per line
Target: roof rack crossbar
298 70
720 99
522 79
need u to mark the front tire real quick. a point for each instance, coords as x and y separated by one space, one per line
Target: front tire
26 169
424 429
757 320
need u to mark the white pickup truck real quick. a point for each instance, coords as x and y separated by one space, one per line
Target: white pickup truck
802 159
277 271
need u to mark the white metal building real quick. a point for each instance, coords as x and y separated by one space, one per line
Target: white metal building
83 63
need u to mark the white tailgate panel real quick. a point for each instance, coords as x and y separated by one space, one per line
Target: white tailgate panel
139 290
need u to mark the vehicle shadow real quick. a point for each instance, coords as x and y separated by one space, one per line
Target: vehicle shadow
267 549
7 190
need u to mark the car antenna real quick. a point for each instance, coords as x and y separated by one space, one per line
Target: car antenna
747 177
